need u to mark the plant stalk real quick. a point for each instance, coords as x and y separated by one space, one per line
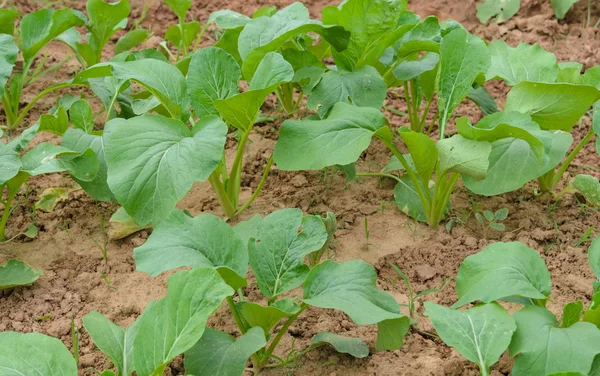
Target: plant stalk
280 334
219 190
6 212
233 185
259 187
563 168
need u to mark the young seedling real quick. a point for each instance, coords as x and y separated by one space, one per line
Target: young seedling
531 334
586 237
430 172
412 297
280 241
492 220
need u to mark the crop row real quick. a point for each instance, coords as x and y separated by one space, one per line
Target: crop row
165 118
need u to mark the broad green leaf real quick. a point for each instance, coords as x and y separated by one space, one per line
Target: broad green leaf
257 315
202 241
570 72
372 25
409 69
175 323
242 109
162 79
10 163
589 187
561 7
364 88
545 349
271 72
39 28
52 196
115 342
462 58
7 21
179 7
497 10
213 75
122 225
463 156
522 63
153 161
480 334
351 288
422 151
16 273
553 106
34 354
82 116
105 19
190 32
266 34
483 100
346 345
78 140
408 200
337 140
246 230
8 56
228 19
594 256
390 333
219 354
498 132
56 122
513 163
571 314
229 42
284 238
46 158
131 40
502 270
592 314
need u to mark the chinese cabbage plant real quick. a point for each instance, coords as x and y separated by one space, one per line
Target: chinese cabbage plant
290 32
431 170
144 347
275 247
546 100
540 343
39 28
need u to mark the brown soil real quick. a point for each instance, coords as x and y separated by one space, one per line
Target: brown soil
73 265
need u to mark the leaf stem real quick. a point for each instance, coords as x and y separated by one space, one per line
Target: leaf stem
219 190
379 174
38 97
236 315
411 174
563 168
281 332
259 187
233 184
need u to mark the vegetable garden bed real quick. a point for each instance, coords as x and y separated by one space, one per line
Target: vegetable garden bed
92 263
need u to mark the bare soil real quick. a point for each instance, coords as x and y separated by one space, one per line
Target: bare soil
77 280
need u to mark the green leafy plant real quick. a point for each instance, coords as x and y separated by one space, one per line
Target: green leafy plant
179 154
492 220
39 28
275 247
346 133
42 159
144 347
545 102
541 344
412 297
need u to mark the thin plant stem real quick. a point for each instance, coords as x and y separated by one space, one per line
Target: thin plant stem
563 168
37 98
424 118
259 187
236 315
281 332
377 174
